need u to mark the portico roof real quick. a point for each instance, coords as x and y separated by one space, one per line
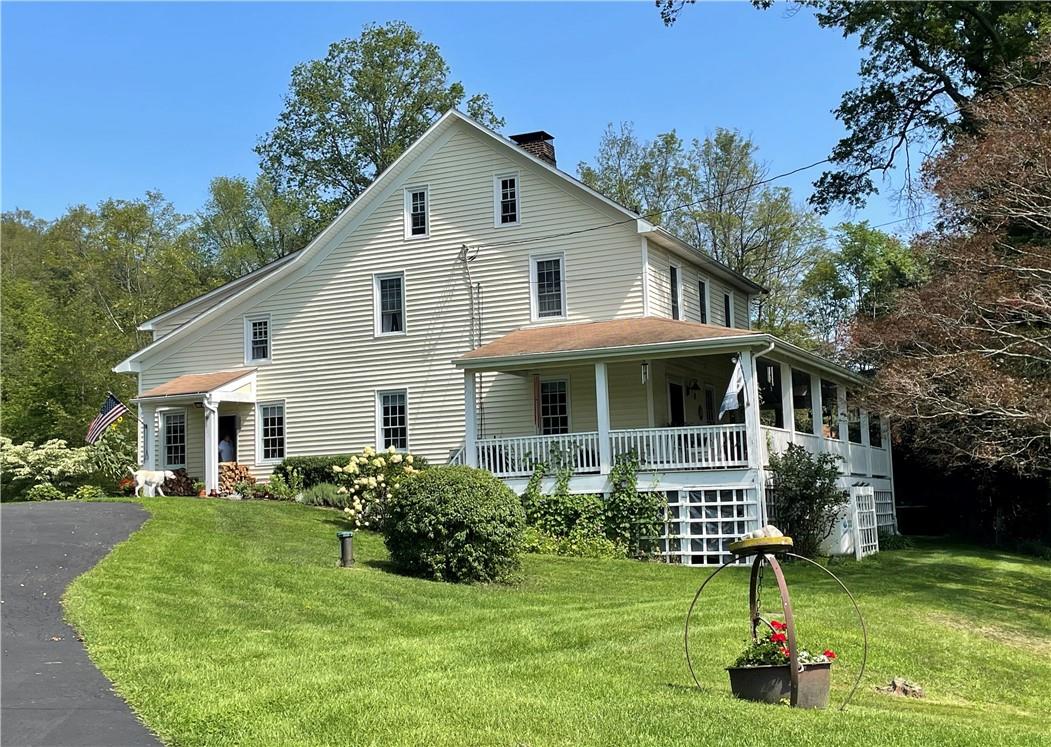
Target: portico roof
225 385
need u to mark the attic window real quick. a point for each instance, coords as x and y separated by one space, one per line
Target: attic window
506 193
416 208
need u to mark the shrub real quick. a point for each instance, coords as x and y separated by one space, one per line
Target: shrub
324 494
806 498
369 479
89 493
313 470
455 524
45 491
25 465
891 541
632 519
575 544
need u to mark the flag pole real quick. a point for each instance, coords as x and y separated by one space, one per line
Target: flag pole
145 428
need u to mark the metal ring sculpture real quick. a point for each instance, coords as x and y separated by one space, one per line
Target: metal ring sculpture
762 556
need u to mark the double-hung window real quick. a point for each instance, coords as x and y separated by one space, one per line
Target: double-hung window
675 279
417 218
389 292
506 198
702 300
257 339
728 309
271 428
174 439
554 407
392 419
548 281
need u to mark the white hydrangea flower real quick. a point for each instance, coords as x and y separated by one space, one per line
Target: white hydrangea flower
396 459
342 490
336 468
408 459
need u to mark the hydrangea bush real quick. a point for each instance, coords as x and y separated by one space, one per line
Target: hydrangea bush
369 479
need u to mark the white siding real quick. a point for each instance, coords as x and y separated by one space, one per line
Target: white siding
660 290
326 362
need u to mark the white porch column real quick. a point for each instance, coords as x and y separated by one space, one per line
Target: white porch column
751 409
816 404
211 444
470 420
148 457
787 403
605 451
841 407
865 440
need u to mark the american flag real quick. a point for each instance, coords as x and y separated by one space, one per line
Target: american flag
112 409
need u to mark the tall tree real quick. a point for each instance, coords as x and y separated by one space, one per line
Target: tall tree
246 224
71 295
349 115
924 62
859 278
964 359
710 193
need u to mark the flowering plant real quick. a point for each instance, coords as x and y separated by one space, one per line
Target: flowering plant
369 479
772 649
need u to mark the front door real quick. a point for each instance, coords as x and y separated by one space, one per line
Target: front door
228 427
676 404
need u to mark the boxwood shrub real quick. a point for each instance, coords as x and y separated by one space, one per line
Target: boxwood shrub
455 524
313 470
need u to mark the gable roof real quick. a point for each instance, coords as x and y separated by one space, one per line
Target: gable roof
211 304
195 383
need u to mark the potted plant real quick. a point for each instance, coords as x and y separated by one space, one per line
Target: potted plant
199 487
762 672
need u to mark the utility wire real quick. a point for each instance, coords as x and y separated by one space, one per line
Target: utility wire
751 185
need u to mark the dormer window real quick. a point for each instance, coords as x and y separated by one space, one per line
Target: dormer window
506 198
417 220
257 339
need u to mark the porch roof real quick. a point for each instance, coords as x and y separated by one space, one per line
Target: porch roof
223 383
633 336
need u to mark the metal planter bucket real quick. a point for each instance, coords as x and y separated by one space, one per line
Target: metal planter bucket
772 683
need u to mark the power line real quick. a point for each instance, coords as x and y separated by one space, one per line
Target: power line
749 186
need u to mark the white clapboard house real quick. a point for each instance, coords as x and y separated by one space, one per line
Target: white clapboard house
476 304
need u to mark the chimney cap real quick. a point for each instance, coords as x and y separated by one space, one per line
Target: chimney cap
532 137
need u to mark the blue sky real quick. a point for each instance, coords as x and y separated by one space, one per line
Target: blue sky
112 100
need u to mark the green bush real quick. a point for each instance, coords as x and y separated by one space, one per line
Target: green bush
325 494
891 541
369 479
45 491
25 465
806 500
575 544
89 493
455 524
632 519
313 470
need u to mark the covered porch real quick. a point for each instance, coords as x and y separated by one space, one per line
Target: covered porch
581 395
187 417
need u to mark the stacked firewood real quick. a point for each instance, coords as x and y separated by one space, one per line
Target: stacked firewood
231 473
181 485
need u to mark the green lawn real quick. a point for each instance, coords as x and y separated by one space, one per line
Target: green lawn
229 623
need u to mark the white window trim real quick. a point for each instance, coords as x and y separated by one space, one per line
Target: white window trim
377 317
164 412
497 192
248 319
706 302
678 288
425 188
533 305
259 460
730 295
378 396
569 402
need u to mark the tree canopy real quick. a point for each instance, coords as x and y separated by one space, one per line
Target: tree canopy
923 63
349 115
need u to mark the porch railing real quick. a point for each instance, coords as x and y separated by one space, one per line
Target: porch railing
518 456
691 447
856 459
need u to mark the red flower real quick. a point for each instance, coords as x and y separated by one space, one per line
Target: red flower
785 652
777 625
778 637
829 653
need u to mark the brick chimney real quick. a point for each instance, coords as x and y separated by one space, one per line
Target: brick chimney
541 144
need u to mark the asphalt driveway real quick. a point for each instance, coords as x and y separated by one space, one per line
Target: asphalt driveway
51 692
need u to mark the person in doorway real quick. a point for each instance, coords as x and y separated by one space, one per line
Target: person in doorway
226 449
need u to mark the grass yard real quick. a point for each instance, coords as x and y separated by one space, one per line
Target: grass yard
229 623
